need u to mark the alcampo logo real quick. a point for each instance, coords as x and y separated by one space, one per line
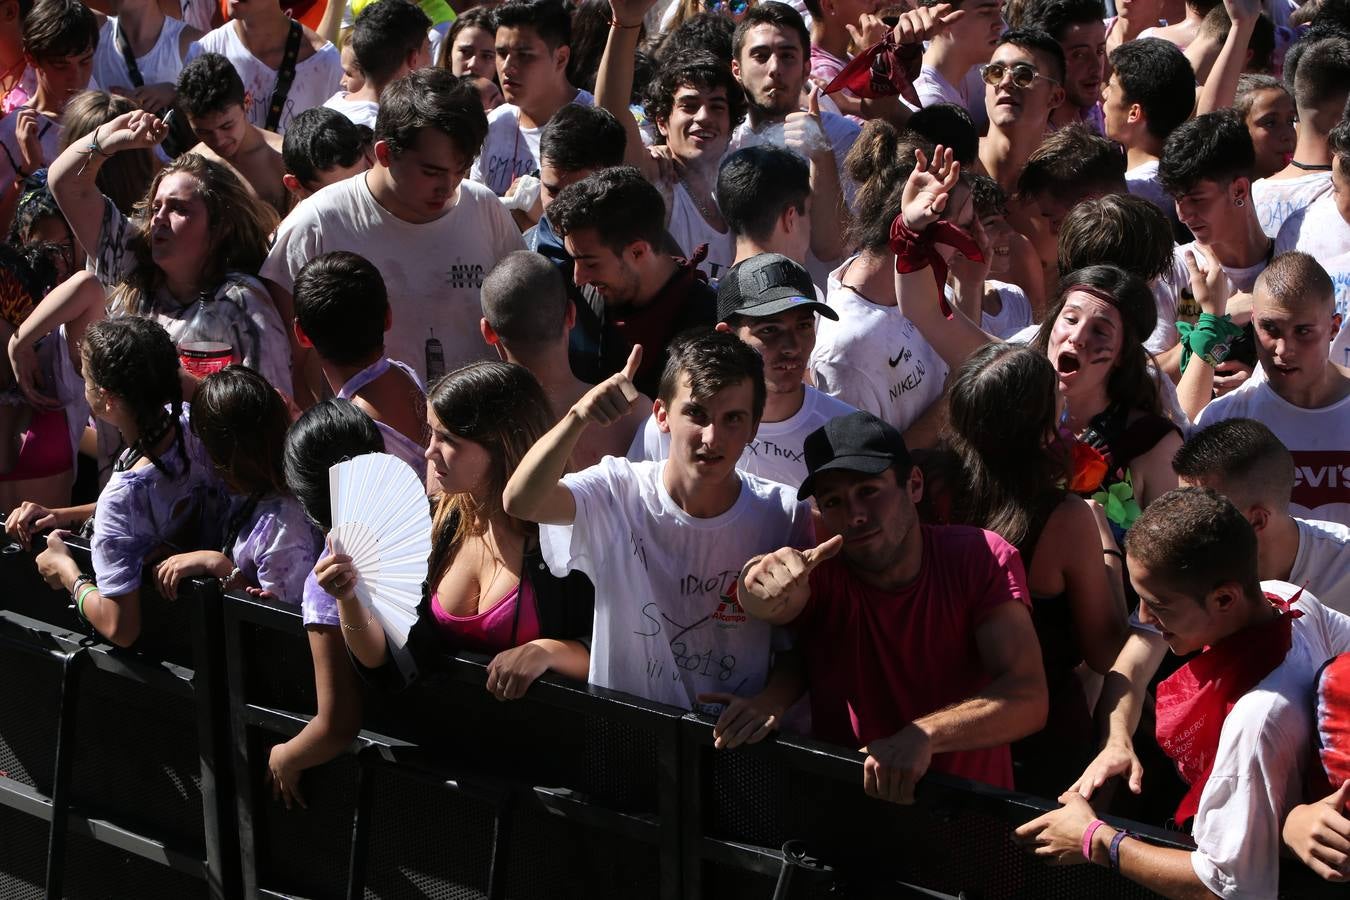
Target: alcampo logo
729 610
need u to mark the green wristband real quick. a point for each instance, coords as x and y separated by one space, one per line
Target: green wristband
1211 339
79 601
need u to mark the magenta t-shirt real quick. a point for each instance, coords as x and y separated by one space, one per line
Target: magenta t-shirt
877 661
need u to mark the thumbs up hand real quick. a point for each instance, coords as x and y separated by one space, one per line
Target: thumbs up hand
777 584
1319 834
802 133
612 399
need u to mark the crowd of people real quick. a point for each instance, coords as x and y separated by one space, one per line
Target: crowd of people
965 382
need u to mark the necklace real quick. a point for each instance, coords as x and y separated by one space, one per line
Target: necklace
1310 167
709 215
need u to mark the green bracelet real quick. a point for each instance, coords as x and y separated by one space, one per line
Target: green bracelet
79 601
1211 338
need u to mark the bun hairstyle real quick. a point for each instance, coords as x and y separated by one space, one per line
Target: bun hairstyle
880 162
133 358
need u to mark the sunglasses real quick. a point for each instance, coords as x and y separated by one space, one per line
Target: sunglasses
1023 74
734 7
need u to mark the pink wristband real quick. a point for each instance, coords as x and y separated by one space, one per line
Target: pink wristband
1087 837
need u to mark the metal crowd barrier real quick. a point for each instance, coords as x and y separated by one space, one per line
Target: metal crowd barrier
140 774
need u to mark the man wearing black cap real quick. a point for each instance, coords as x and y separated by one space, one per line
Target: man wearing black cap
768 301
918 639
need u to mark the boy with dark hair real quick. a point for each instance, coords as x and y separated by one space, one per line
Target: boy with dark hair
140 53
431 232
1321 86
286 67
1237 720
1080 29
342 313
59 41
771 63
612 224
1151 92
765 195
533 46
694 103
321 147
578 141
953 54
527 317
1023 86
769 302
663 541
389 40
212 97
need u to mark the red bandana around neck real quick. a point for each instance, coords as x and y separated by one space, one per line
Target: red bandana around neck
1194 701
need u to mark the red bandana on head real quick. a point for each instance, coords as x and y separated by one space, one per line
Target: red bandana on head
1194 701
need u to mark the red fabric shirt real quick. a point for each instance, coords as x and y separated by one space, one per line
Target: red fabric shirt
877 661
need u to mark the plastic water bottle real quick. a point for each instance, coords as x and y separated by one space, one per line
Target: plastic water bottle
205 345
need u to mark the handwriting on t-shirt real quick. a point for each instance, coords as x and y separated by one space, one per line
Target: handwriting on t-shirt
778 451
910 381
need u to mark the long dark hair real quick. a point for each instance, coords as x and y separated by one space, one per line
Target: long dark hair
1130 383
135 359
1014 472
325 435
241 421
501 407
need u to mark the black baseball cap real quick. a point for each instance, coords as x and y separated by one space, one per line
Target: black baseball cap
857 442
765 285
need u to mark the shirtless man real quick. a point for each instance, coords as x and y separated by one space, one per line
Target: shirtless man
211 93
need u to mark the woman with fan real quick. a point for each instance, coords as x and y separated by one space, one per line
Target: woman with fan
488 590
1015 480
162 490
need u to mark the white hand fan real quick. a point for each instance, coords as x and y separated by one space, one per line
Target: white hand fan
382 520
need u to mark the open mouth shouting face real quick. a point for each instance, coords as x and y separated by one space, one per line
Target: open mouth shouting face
1085 339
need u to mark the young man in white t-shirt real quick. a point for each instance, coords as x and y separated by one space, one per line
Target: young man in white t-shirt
769 302
1244 743
255 41
1243 460
1304 398
533 46
389 40
1321 85
432 233
765 194
663 542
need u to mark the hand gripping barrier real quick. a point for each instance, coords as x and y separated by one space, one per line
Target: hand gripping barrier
141 775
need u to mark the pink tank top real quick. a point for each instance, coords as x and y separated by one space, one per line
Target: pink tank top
513 621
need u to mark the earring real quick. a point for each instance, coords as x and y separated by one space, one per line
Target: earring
1239 203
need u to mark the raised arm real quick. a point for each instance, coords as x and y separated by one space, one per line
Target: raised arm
614 80
1211 290
73 176
536 492
803 134
1220 88
924 200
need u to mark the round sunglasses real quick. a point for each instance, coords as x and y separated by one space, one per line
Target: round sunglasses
1023 74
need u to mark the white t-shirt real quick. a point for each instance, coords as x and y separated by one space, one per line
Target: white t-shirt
1168 286
1143 181
667 624
1015 314
1261 761
933 88
776 453
1319 231
1319 440
510 150
874 358
199 14
689 229
362 112
1278 199
49 136
316 78
433 271
162 64
1323 562
840 131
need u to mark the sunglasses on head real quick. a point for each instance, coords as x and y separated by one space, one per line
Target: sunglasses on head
1023 74
734 7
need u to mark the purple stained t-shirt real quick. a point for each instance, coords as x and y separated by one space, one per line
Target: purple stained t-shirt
142 509
277 547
